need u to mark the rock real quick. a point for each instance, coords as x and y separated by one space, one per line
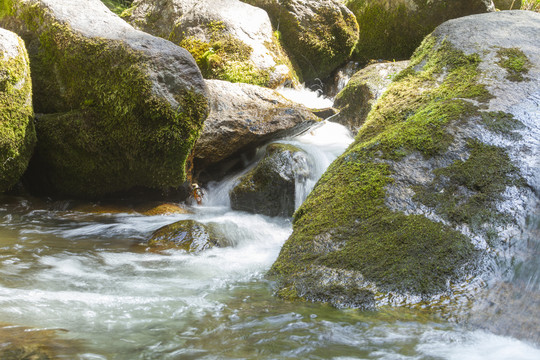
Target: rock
507 4
391 30
355 101
188 235
319 34
269 188
229 39
121 108
244 117
17 133
439 182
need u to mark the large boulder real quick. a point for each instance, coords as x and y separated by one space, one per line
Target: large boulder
355 101
393 29
188 235
229 39
319 34
17 134
270 187
122 109
243 117
442 176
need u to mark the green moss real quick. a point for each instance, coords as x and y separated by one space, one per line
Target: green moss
502 123
515 62
397 252
467 191
315 49
118 6
17 133
109 128
224 57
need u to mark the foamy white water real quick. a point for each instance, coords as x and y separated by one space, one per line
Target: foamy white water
306 97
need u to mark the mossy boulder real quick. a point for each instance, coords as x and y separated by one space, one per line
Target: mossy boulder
318 34
242 118
17 133
270 187
442 176
120 108
230 40
355 101
391 30
189 235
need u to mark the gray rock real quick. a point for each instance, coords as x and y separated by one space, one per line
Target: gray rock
319 34
243 117
123 108
188 235
230 40
17 133
269 188
391 30
440 181
355 101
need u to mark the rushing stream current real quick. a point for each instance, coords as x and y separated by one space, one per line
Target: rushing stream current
86 277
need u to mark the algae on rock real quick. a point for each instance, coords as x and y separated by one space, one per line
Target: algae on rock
412 207
122 108
17 133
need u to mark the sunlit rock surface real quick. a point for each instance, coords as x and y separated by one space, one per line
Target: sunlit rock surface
440 181
230 40
243 117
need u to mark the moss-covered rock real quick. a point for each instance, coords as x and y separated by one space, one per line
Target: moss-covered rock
122 108
318 34
438 178
230 40
188 235
269 188
391 30
17 133
242 118
354 102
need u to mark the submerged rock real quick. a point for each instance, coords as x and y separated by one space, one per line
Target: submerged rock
391 30
318 34
121 108
243 117
17 133
355 101
188 235
269 188
443 175
229 39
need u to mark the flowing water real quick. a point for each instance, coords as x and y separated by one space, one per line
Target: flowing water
87 277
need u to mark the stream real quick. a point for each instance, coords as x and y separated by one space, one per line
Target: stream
87 278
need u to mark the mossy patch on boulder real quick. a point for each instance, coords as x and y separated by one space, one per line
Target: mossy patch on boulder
269 188
392 30
408 212
17 133
230 40
122 108
318 34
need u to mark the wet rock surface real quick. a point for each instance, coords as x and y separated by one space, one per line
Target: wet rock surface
189 235
269 188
